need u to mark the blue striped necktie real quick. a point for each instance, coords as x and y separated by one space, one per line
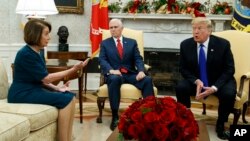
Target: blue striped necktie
203 67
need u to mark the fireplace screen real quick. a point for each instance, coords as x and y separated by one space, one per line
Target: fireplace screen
165 70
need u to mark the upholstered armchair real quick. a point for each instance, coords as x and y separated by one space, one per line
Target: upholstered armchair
128 91
240 48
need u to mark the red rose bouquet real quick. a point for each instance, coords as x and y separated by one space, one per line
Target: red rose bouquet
158 119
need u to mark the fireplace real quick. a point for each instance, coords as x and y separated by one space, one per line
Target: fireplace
165 69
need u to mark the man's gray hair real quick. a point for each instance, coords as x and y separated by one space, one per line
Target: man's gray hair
117 21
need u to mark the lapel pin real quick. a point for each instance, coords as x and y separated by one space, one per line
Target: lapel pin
212 49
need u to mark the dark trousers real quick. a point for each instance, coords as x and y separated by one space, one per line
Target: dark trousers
226 95
114 83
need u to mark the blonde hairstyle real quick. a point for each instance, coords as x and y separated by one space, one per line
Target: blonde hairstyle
203 20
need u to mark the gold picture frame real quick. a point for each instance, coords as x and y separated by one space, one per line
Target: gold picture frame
70 6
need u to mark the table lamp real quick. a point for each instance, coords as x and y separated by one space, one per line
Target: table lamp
36 8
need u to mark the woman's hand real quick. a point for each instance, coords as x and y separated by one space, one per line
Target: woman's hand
81 64
64 87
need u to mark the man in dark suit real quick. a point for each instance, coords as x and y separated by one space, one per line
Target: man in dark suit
121 62
217 77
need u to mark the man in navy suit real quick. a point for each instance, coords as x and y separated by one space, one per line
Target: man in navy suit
121 62
219 71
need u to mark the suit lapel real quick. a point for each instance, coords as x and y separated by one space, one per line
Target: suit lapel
193 50
210 50
125 47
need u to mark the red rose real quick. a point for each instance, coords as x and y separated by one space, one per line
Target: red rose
134 131
175 133
151 117
161 132
136 116
168 116
148 135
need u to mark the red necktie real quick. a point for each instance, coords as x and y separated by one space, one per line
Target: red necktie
119 48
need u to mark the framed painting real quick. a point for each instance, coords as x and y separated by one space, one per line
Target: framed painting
70 6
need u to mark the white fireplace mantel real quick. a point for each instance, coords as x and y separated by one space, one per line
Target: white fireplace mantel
166 31
165 16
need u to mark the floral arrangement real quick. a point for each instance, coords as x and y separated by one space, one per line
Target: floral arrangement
114 7
221 8
195 8
156 4
137 6
176 7
158 119
171 7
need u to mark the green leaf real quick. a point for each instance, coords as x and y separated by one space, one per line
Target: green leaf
146 110
120 137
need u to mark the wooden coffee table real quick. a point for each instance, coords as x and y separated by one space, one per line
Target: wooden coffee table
203 135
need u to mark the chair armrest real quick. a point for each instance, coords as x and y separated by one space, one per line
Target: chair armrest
247 75
147 67
242 82
102 81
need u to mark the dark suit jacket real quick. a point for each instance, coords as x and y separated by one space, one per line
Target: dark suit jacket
110 59
220 62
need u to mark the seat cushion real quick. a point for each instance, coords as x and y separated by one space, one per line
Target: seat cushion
13 127
37 114
211 100
4 85
128 91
